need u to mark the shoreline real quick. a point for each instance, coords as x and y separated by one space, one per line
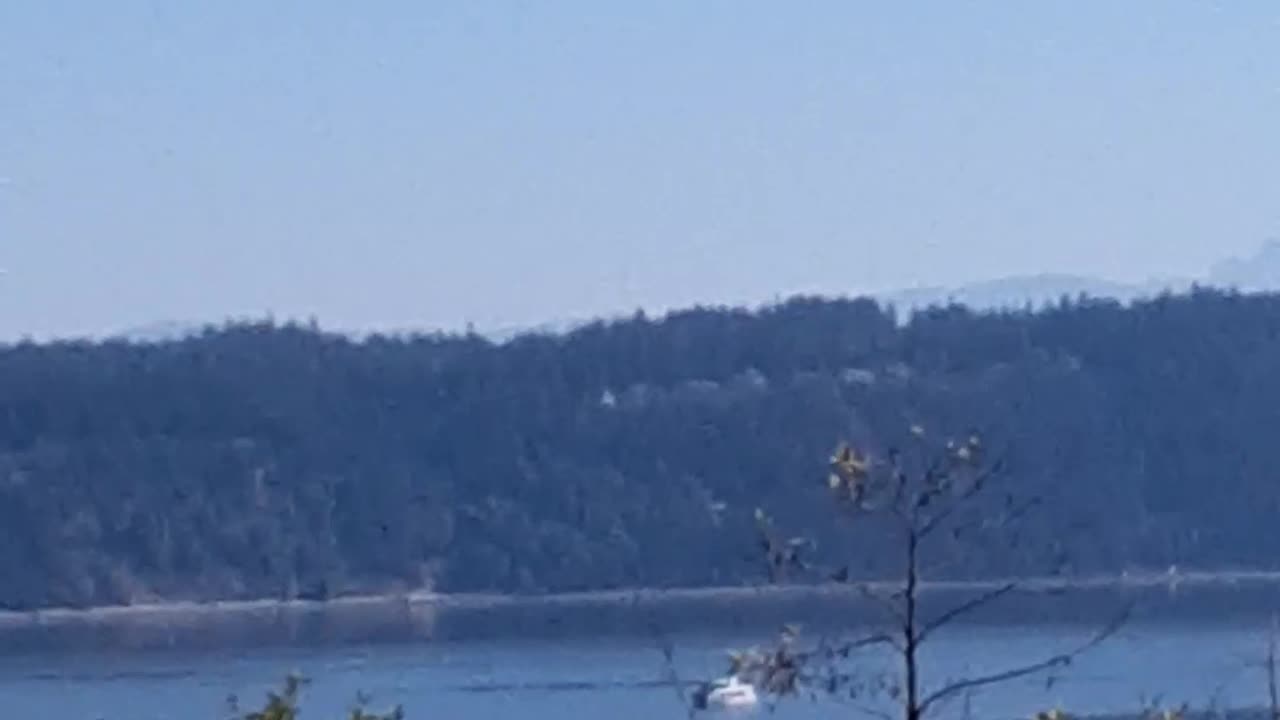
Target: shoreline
422 616
482 601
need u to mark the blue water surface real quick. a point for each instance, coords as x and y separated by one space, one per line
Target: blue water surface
619 679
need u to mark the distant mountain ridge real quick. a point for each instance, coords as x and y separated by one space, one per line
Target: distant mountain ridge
1017 291
1256 273
1008 293
1259 272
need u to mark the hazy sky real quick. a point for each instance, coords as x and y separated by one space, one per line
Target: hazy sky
425 164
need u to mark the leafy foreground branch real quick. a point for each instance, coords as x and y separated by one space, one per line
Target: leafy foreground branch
930 499
283 705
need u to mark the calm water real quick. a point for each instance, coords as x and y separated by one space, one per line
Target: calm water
615 678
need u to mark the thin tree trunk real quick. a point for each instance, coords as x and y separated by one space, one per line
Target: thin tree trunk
1272 691
910 636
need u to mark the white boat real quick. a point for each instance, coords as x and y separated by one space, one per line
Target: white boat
725 693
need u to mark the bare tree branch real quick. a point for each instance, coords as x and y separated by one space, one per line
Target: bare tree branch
1020 511
672 674
966 607
873 712
1060 660
978 682
977 486
847 649
890 608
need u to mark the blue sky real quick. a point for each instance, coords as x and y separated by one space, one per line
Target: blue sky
407 164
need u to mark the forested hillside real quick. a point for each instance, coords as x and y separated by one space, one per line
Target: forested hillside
265 461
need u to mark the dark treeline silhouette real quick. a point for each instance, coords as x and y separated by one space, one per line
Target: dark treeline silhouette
258 460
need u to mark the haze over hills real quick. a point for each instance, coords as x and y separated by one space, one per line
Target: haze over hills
1016 292
1259 272
1256 273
